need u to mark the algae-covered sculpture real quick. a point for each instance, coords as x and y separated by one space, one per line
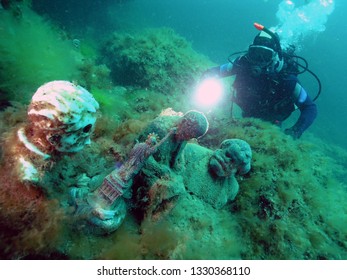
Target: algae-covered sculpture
207 174
233 157
105 208
210 175
191 125
180 166
61 118
160 179
60 121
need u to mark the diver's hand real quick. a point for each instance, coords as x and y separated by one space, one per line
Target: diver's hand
293 132
210 73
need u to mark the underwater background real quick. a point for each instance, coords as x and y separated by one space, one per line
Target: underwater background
139 57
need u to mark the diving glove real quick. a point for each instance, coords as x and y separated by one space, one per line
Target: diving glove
294 132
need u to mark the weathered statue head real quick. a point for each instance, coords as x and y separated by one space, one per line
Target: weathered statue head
193 124
62 115
233 156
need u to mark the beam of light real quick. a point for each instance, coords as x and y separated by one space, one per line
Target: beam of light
208 93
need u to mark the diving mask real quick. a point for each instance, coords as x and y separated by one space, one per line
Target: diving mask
260 55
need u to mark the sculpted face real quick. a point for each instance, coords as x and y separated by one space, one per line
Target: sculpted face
65 114
72 141
233 156
193 124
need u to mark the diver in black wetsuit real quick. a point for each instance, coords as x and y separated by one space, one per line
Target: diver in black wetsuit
266 84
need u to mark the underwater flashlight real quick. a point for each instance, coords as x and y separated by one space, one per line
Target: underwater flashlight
208 93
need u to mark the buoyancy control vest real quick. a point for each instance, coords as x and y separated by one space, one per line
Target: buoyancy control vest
266 96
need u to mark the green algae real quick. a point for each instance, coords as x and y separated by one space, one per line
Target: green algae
32 52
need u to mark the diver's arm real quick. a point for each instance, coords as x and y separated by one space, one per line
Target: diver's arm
308 112
226 70
221 71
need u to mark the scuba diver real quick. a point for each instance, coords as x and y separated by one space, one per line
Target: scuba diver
266 84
